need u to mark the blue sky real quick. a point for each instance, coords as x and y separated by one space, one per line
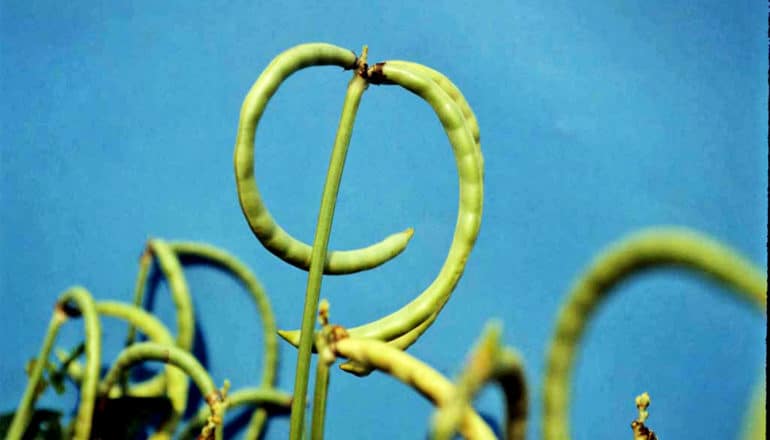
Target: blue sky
118 124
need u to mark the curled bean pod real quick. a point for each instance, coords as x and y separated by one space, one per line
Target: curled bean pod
246 397
262 224
180 292
180 295
173 381
407 339
411 371
231 264
84 307
656 247
489 361
429 302
151 351
454 92
176 381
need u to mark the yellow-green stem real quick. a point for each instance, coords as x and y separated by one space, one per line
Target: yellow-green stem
355 90
24 411
319 400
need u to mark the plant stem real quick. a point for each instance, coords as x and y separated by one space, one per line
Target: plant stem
355 90
319 400
24 410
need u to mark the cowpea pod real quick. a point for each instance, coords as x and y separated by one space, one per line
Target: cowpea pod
169 354
402 343
454 92
413 372
231 264
407 339
85 308
432 299
180 292
176 381
489 361
279 400
261 222
654 247
180 295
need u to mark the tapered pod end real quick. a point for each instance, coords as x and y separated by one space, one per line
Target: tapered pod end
290 336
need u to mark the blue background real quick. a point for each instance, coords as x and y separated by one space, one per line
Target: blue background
118 124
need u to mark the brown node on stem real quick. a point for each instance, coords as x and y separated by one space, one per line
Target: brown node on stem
375 75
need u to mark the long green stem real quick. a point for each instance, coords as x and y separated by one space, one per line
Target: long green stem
320 243
85 307
24 410
319 400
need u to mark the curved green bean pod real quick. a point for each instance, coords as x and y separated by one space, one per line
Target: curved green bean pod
755 423
180 294
488 361
402 343
24 410
176 381
173 381
435 296
145 261
653 247
454 92
262 224
239 270
418 375
151 351
407 339
248 396
86 308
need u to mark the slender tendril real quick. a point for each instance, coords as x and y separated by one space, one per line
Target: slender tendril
656 247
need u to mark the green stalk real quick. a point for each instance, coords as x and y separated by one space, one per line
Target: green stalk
355 90
319 400
84 307
24 410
